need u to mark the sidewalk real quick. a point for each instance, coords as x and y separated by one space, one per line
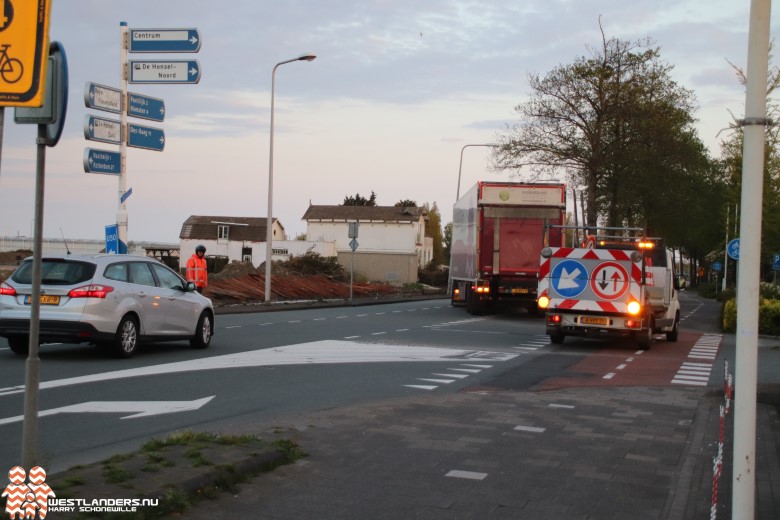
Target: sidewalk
628 453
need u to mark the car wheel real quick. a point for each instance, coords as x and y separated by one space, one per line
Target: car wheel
203 331
672 336
19 345
126 340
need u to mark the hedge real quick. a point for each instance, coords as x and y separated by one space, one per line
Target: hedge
768 316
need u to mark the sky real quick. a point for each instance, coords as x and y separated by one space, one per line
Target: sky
398 88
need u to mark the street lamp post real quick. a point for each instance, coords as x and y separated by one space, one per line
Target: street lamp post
269 221
490 145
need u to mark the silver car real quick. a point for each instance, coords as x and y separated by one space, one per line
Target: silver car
111 300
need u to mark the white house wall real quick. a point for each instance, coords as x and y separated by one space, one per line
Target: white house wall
232 250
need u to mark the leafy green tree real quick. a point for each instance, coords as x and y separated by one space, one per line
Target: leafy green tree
406 203
616 123
447 242
433 230
358 200
732 156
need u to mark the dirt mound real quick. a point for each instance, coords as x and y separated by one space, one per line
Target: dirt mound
235 270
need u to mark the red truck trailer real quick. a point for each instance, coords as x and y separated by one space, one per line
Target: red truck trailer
498 232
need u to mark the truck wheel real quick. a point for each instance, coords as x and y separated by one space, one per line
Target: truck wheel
557 338
644 338
19 345
672 336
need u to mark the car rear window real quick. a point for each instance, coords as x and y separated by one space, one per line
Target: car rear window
56 271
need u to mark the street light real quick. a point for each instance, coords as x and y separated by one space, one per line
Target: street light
490 145
269 222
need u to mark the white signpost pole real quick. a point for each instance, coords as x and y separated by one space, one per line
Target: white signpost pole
121 215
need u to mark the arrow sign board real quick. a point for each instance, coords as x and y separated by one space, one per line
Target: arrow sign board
103 130
353 244
126 195
609 281
145 107
569 278
168 72
164 40
102 161
145 137
101 97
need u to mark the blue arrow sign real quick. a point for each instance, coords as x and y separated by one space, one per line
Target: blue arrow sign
569 278
145 137
102 161
101 97
733 249
168 72
164 40
717 266
776 262
102 129
112 240
126 195
145 107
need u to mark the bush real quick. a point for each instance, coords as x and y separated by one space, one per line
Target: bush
313 263
768 316
434 277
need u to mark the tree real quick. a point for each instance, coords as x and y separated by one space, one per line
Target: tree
615 122
358 200
406 203
433 230
731 156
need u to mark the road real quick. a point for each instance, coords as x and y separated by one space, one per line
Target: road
263 366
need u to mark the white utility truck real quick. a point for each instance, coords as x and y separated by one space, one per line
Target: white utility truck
611 285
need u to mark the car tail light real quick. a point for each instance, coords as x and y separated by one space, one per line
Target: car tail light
7 290
633 324
554 319
90 291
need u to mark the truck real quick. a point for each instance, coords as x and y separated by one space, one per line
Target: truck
612 285
498 231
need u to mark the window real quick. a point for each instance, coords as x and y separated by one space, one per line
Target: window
168 279
141 274
222 232
56 272
116 272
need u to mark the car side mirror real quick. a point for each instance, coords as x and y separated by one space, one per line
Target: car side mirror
190 287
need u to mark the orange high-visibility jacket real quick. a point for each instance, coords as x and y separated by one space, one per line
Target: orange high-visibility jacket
196 271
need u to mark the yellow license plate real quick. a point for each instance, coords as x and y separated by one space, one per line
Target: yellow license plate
587 320
520 290
45 300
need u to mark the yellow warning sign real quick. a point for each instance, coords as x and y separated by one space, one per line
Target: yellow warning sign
24 51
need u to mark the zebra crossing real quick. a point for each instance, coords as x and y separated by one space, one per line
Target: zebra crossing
696 370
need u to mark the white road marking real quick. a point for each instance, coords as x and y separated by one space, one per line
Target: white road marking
470 370
530 429
234 327
472 475
422 387
316 352
443 381
459 376
478 366
609 376
565 406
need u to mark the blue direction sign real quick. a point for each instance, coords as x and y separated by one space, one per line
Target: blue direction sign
733 249
101 97
112 240
102 129
167 72
145 107
164 40
102 161
126 195
145 137
569 278
717 267
776 262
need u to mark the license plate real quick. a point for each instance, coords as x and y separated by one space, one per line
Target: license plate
45 300
520 290
587 320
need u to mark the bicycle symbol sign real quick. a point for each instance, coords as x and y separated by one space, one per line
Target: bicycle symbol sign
24 52
609 280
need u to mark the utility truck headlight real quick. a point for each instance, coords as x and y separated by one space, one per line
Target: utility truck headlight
543 302
634 308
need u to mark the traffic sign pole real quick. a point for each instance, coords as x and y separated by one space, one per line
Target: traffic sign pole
121 214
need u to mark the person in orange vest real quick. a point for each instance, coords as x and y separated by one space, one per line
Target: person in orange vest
196 268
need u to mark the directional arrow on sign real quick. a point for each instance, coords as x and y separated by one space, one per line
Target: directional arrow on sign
615 278
136 408
568 280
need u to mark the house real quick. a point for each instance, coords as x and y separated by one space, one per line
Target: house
241 239
390 244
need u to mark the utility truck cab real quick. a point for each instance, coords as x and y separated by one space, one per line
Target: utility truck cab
611 285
